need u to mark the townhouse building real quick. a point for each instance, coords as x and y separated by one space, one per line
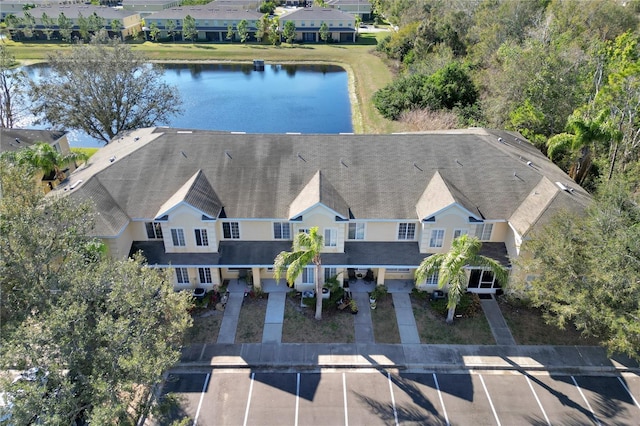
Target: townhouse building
216 206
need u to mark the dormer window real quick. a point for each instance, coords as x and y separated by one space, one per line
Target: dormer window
281 230
406 231
154 230
231 230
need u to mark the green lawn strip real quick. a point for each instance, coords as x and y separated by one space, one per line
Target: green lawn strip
367 72
385 323
299 325
433 329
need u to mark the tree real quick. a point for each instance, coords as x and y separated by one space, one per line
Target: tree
29 23
12 94
83 27
450 267
96 23
289 31
306 249
103 89
65 26
189 30
45 158
115 26
324 32
105 335
154 31
243 30
262 27
274 32
171 29
47 25
267 7
584 270
230 32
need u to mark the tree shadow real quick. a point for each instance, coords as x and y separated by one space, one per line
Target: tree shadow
204 46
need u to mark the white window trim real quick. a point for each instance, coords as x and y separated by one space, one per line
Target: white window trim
282 226
461 232
480 231
355 233
179 237
231 225
332 241
206 274
434 239
404 236
309 271
204 237
183 274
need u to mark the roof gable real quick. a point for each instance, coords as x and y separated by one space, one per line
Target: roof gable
439 195
197 193
319 191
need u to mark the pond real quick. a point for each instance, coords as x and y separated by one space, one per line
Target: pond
234 97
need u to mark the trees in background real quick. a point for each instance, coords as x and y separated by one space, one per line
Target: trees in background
103 88
189 30
45 158
12 90
104 331
289 31
584 270
243 30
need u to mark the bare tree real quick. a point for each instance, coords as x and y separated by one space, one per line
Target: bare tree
12 97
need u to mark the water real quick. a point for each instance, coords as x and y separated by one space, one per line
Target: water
234 97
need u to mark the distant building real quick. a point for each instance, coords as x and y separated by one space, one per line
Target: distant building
15 139
308 21
360 8
8 7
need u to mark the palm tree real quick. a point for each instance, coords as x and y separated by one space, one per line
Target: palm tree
450 266
306 249
44 157
583 138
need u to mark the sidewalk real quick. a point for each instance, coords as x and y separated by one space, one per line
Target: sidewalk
409 354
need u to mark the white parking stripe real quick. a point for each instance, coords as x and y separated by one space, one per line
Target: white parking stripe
490 402
444 409
635 401
537 400
246 411
204 388
393 399
586 402
344 392
297 397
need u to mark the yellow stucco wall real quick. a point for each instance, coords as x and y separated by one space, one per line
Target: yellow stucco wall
186 218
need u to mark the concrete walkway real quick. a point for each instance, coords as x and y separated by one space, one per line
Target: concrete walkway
406 320
499 328
229 325
362 320
274 318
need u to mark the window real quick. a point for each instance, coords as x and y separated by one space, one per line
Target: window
231 230
356 231
397 270
406 231
202 239
303 230
437 237
330 237
182 275
330 273
483 232
154 230
459 232
432 279
281 231
307 275
177 236
205 275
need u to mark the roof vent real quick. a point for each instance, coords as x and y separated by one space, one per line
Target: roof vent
529 163
500 140
459 163
228 155
564 187
343 163
75 184
417 167
18 140
112 159
301 157
183 154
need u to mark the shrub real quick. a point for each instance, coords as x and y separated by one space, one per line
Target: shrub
468 307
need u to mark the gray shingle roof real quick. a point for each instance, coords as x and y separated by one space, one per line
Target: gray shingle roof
317 14
27 137
377 176
319 191
198 193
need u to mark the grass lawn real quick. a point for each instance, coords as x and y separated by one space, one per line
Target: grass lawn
87 151
433 329
251 321
300 326
385 324
367 72
205 328
528 327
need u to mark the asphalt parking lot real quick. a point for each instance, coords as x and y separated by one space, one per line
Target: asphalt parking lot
371 397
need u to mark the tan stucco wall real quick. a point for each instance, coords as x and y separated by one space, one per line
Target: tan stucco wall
118 248
188 219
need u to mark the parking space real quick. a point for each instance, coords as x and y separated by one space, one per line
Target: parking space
369 397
